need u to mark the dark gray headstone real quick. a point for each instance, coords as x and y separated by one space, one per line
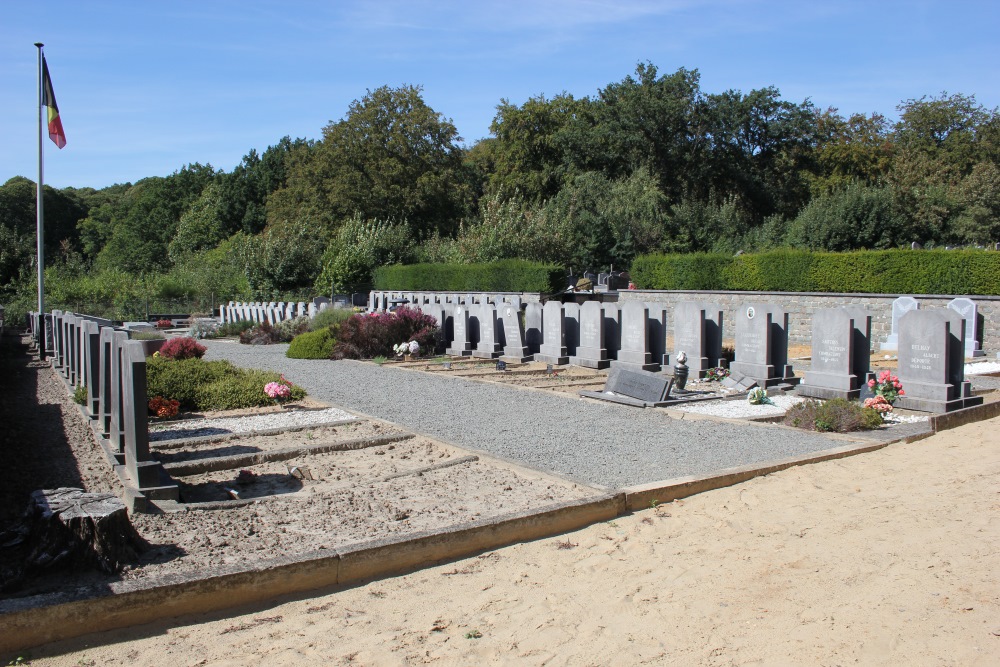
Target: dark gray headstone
612 329
634 353
640 388
533 327
116 431
92 369
488 345
932 361
571 326
656 334
146 474
762 345
698 333
840 354
106 337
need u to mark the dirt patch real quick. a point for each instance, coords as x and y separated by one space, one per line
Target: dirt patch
245 513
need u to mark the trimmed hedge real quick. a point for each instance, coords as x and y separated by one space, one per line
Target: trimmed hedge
509 275
864 271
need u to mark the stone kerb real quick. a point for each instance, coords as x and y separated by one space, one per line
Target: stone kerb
932 361
840 357
515 348
145 474
552 349
590 350
634 352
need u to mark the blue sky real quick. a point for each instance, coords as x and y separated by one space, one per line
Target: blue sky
147 87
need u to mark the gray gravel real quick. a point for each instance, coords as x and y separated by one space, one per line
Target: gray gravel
605 445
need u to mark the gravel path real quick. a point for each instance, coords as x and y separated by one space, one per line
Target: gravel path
607 445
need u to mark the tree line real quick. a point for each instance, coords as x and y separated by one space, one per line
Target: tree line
651 163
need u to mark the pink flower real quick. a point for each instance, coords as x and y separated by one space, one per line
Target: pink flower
871 384
902 393
896 385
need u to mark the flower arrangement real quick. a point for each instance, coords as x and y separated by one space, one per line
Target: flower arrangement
279 391
164 408
879 404
887 386
716 374
164 324
758 396
412 347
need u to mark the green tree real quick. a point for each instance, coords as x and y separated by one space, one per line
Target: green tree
199 227
360 247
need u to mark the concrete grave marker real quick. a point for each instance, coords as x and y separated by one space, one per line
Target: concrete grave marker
634 353
92 367
571 326
840 354
533 327
932 362
460 345
488 346
552 350
590 351
900 307
698 333
656 334
762 345
612 329
116 431
970 313
633 387
513 330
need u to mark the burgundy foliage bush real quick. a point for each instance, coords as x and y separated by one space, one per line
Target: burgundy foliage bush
365 336
183 348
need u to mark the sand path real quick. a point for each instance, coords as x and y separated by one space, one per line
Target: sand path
889 558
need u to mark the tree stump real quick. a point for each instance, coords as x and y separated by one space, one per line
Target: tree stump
70 528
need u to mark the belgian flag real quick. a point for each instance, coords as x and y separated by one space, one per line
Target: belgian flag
56 133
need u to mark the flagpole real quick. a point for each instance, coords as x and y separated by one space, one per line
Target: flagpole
40 222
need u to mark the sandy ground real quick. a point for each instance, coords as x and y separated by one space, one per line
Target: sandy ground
888 558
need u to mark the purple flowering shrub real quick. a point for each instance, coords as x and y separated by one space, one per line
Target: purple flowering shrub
365 336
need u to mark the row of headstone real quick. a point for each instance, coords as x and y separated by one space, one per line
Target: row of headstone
101 358
271 312
965 307
385 301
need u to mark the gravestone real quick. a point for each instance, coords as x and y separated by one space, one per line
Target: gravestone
92 374
513 332
762 345
970 313
460 345
144 473
932 362
439 312
590 351
656 333
840 354
533 327
900 307
698 333
634 353
571 326
116 430
106 338
552 350
488 345
612 329
634 387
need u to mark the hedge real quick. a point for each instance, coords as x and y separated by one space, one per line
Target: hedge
864 271
509 275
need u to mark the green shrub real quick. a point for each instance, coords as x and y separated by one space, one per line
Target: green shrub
180 379
80 395
837 415
329 317
312 345
509 275
243 389
268 334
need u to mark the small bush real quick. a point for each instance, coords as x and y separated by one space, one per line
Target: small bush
164 408
329 317
268 334
233 328
80 395
164 324
837 415
243 389
372 335
312 345
183 348
180 379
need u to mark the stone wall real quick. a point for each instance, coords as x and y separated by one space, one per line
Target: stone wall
801 306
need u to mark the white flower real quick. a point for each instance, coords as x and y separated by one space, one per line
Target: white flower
414 347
